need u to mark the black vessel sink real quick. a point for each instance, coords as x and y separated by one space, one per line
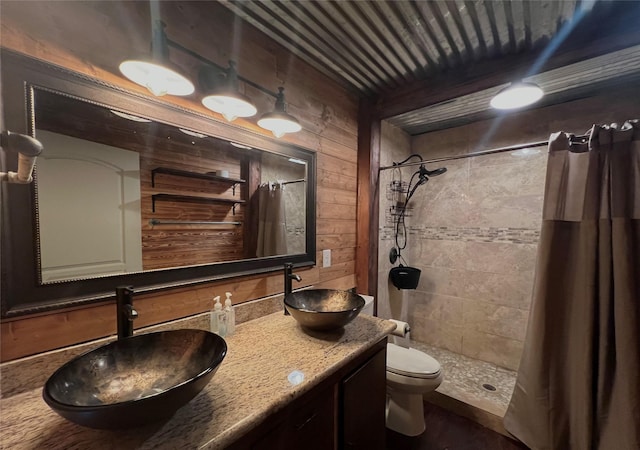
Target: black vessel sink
323 309
135 381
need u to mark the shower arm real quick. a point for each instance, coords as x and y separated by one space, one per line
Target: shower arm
414 155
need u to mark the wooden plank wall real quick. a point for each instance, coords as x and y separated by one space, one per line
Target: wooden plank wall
94 37
182 245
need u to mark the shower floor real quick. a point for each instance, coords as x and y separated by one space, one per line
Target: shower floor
464 378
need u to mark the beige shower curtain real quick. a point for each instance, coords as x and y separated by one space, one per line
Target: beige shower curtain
272 228
578 384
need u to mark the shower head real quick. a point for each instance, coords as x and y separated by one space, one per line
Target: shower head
436 172
423 172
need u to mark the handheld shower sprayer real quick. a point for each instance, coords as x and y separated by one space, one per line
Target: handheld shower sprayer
418 178
28 149
423 176
434 172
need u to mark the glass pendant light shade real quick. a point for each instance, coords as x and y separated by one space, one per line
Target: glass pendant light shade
231 105
225 99
279 122
157 73
517 95
158 79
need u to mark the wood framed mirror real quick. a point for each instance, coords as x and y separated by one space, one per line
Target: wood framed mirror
131 190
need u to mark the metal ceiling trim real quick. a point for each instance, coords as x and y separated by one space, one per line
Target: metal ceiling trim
383 32
411 9
380 50
318 62
394 21
352 31
329 44
374 46
477 28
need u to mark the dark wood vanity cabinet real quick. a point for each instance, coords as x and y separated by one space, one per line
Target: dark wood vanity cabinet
346 411
363 398
310 425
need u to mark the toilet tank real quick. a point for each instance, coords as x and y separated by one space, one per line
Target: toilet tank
368 304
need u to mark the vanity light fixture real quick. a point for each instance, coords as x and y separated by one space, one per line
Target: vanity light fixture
162 77
517 95
227 100
157 73
279 121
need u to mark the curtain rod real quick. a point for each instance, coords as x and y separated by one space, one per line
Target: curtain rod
509 148
302 180
469 155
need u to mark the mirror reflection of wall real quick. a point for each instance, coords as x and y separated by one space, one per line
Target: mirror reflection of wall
119 193
282 199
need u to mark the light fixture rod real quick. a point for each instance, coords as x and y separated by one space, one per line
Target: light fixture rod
201 58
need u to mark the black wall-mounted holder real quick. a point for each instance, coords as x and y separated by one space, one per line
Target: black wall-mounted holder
405 277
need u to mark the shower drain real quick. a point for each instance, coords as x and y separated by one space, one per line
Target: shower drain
489 387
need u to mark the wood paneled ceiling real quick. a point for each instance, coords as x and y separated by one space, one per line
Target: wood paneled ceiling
378 47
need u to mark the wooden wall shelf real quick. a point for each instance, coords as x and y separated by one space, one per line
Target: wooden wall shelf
202 176
192 199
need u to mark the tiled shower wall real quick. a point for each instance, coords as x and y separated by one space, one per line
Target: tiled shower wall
473 231
474 234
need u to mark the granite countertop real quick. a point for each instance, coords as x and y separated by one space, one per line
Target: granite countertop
250 384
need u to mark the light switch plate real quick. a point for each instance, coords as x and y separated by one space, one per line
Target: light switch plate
326 258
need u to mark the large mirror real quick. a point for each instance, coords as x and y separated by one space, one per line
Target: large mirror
130 190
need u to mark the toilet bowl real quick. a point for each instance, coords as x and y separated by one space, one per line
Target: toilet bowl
410 374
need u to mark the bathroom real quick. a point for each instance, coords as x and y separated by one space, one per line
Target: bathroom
475 315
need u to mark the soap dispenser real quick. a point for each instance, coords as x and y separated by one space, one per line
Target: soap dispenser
230 313
218 318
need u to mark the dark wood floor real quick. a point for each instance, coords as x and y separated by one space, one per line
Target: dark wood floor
448 431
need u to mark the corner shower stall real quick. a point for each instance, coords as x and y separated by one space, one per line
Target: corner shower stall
473 233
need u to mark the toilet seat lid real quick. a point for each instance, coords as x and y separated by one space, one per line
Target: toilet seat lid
411 362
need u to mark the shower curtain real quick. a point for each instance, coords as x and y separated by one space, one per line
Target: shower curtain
578 384
272 228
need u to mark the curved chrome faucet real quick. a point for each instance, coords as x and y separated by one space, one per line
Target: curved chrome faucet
288 276
125 314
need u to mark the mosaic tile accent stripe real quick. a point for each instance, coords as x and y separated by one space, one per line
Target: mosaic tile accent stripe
468 234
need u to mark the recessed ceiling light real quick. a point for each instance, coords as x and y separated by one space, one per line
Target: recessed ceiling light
517 95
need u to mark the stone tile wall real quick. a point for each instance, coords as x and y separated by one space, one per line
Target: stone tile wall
474 233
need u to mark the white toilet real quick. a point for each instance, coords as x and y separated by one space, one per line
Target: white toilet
410 374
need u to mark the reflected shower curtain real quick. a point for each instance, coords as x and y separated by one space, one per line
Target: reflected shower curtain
578 385
272 229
